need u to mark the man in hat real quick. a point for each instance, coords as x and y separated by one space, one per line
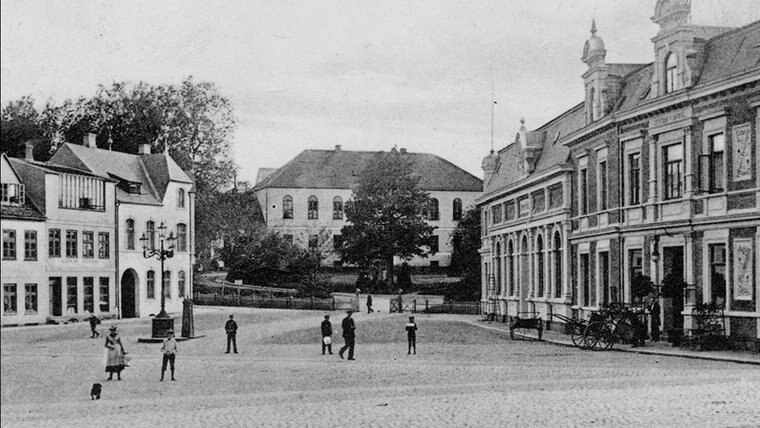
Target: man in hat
231 328
348 335
411 335
327 335
169 348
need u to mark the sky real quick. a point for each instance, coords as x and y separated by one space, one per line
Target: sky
363 74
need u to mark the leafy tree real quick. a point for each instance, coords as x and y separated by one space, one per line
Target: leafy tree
385 218
465 258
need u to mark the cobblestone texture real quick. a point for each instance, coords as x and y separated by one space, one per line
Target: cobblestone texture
461 376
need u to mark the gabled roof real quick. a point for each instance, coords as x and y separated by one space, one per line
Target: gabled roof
26 211
338 169
153 171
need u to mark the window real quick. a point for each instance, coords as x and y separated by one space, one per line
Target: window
287 207
104 245
718 274
182 238
671 69
13 194
539 201
557 265
540 265
713 171
583 190
150 285
71 243
104 294
509 210
150 231
673 158
496 213
635 264
337 241
9 244
585 280
10 303
181 284
130 234
313 242
88 244
433 244
88 290
71 295
337 208
81 192
634 179
555 196
457 209
608 295
30 245
288 238
511 266
602 185
433 213
523 207
167 284
30 299
313 208
181 198
54 243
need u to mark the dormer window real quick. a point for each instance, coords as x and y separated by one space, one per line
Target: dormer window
13 194
671 68
131 187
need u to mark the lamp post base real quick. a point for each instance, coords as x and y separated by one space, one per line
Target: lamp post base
161 326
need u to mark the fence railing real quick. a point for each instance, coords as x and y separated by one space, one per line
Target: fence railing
257 301
426 306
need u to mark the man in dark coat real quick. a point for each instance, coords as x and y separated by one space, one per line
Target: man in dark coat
369 304
326 335
348 335
231 328
411 335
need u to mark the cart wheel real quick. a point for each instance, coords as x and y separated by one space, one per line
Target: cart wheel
598 336
577 335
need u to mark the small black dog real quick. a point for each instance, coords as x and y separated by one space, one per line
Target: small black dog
95 391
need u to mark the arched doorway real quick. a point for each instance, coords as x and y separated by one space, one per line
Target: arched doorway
129 294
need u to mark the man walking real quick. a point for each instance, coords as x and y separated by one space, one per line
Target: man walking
411 336
94 321
369 304
348 335
231 329
169 348
326 335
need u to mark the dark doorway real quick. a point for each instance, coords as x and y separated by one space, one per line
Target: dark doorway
56 304
128 294
672 259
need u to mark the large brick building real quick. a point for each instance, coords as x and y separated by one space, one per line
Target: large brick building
658 171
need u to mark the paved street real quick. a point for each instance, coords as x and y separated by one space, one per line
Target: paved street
462 375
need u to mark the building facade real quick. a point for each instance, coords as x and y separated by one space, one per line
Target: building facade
663 179
305 200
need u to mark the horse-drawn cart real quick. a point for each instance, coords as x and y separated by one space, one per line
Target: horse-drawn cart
524 321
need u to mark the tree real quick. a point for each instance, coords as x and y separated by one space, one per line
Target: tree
465 258
385 217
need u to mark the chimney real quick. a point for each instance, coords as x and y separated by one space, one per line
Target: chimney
338 148
403 150
29 153
90 140
144 149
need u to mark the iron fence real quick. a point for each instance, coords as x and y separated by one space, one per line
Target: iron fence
257 301
426 306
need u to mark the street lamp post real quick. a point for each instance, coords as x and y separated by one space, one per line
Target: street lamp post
161 322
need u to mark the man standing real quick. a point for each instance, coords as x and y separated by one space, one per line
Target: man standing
369 304
169 349
348 335
231 329
411 335
94 321
326 335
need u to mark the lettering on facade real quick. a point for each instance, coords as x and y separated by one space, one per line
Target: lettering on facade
743 270
742 152
669 118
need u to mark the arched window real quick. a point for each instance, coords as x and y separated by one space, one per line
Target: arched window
671 67
181 238
181 198
557 265
313 208
497 289
181 284
433 213
511 266
540 265
130 234
457 209
337 208
150 232
287 207
150 285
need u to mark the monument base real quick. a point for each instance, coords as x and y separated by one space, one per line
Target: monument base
161 326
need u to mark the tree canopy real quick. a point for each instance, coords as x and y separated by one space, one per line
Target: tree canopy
465 258
386 217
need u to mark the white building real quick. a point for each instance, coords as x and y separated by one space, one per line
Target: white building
304 200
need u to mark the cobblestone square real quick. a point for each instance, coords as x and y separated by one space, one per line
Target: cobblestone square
462 375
